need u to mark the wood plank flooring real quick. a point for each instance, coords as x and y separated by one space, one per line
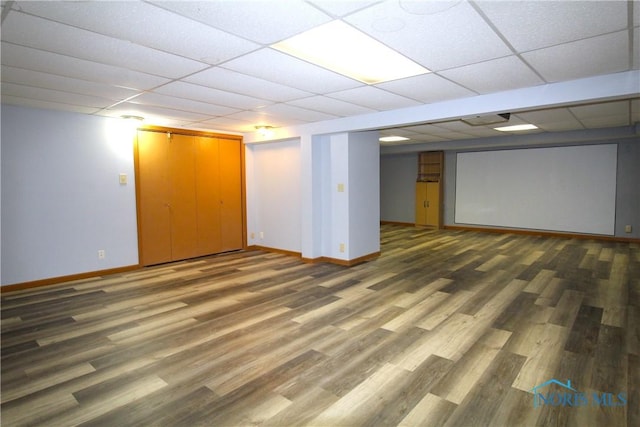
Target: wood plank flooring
445 328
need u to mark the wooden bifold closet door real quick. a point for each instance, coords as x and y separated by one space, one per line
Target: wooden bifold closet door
189 196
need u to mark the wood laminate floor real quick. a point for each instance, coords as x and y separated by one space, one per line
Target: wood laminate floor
445 328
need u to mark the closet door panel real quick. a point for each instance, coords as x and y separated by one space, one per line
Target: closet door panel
182 185
155 218
230 194
421 203
433 204
208 195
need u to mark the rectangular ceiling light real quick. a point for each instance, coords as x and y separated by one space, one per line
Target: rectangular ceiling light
347 51
393 139
516 128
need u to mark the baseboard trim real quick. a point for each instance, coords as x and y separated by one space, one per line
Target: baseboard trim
343 262
408 224
543 233
274 250
61 279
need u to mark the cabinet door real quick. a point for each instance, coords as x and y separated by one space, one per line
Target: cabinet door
208 195
153 193
421 203
433 204
230 194
182 202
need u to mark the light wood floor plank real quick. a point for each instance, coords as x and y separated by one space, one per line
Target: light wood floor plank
444 328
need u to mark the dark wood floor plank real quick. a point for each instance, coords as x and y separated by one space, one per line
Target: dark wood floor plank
444 328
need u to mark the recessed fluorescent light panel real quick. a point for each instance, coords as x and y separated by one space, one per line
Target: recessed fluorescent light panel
393 139
516 128
347 51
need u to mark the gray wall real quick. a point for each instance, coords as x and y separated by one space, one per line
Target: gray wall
398 175
61 197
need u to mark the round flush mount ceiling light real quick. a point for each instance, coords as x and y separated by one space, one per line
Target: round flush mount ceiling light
132 117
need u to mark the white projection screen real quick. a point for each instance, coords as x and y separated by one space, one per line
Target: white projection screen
570 189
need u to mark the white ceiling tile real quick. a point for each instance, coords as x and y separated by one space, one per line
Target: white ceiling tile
552 120
635 111
451 38
530 25
599 110
153 114
26 30
296 113
229 124
231 81
426 88
56 96
260 21
280 68
176 103
65 84
340 8
66 66
583 58
210 95
331 106
427 129
147 25
260 117
463 128
398 132
38 103
494 76
374 98
605 122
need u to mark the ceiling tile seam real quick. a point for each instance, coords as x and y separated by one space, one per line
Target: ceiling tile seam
155 49
168 107
206 64
64 77
334 16
60 90
90 60
54 102
504 39
295 87
7 8
273 101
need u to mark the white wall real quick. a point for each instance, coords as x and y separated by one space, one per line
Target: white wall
293 196
364 194
273 195
61 198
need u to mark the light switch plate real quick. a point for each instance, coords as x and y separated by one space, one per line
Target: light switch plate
123 178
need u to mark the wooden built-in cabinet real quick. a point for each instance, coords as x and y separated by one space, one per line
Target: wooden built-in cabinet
429 189
189 190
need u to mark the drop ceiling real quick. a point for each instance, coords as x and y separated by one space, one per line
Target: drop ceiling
209 65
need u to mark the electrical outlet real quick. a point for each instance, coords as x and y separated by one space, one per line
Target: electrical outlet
627 229
102 254
341 247
262 234
253 235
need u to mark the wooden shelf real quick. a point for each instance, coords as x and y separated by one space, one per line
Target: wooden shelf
430 166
